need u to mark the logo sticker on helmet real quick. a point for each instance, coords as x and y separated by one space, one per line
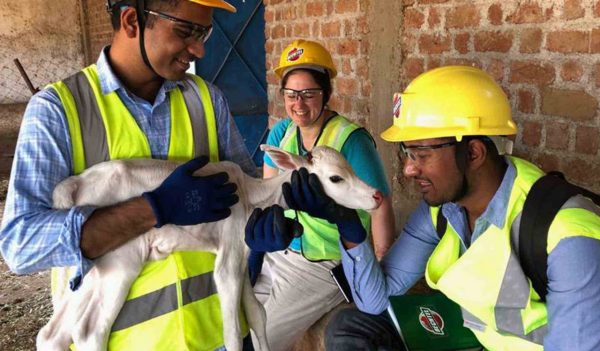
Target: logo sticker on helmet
397 104
431 321
294 54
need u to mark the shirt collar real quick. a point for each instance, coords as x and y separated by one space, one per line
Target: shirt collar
495 213
109 81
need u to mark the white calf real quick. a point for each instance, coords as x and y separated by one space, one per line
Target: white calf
85 316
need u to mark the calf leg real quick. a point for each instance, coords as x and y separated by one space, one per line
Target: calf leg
116 272
227 277
255 313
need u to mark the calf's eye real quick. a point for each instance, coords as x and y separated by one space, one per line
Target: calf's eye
336 179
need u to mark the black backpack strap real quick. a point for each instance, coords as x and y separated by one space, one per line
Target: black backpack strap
441 224
547 195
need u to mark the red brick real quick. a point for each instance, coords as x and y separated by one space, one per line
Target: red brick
362 68
434 18
362 25
548 162
413 67
424 2
557 135
597 9
571 71
582 172
269 14
587 140
301 30
278 32
568 41
331 29
528 12
531 40
434 62
348 47
413 18
532 133
597 74
289 13
573 9
595 44
461 62
346 6
495 14
493 41
531 72
526 101
346 66
366 88
496 69
574 104
434 43
315 9
464 16
461 42
346 86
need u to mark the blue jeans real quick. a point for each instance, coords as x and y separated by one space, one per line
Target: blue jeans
351 329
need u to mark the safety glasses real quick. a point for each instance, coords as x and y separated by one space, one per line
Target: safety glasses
306 94
420 153
187 30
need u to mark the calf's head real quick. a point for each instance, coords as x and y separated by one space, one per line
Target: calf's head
339 181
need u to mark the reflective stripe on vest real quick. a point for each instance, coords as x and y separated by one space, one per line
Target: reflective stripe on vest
487 280
320 238
173 303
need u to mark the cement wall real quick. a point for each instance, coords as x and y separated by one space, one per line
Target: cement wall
46 37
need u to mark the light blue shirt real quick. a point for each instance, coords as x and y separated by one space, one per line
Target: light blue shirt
573 298
34 236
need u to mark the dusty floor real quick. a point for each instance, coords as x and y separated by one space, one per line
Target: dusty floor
24 302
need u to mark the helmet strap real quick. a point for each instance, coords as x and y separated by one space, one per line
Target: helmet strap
140 6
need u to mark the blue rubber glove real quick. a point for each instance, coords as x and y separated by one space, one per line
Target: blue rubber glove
305 193
267 230
184 199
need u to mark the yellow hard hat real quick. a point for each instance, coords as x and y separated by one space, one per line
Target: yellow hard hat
305 54
451 101
216 3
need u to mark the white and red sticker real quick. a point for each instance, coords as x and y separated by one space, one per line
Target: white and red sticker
294 54
397 105
431 321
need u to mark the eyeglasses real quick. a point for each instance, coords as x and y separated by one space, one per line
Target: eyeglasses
421 153
306 94
192 30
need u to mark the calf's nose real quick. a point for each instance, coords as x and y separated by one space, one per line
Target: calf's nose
378 197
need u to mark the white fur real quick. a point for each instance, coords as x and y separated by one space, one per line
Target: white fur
85 316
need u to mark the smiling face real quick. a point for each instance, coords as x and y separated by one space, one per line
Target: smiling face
169 47
435 171
303 111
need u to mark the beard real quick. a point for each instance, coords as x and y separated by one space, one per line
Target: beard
456 195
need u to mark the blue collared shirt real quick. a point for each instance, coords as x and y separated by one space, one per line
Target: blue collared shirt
34 236
573 297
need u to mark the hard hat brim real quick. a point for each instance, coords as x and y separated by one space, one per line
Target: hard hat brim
216 3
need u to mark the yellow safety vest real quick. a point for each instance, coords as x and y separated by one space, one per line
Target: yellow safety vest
487 281
320 238
173 304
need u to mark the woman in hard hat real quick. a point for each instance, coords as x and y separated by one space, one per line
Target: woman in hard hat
301 289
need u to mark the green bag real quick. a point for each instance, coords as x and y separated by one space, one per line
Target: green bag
431 323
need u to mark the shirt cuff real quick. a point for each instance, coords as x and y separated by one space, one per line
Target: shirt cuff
83 265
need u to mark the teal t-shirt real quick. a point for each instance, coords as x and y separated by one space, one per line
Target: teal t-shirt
359 150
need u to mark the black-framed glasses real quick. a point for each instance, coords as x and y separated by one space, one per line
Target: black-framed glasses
420 153
192 30
306 94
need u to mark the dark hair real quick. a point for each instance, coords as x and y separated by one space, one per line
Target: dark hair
322 80
157 5
461 151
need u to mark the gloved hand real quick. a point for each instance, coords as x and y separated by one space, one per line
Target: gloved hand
184 199
267 230
305 193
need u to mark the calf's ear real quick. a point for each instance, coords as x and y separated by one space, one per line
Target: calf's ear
283 159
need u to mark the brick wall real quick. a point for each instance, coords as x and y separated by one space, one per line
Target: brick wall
97 28
341 26
546 55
